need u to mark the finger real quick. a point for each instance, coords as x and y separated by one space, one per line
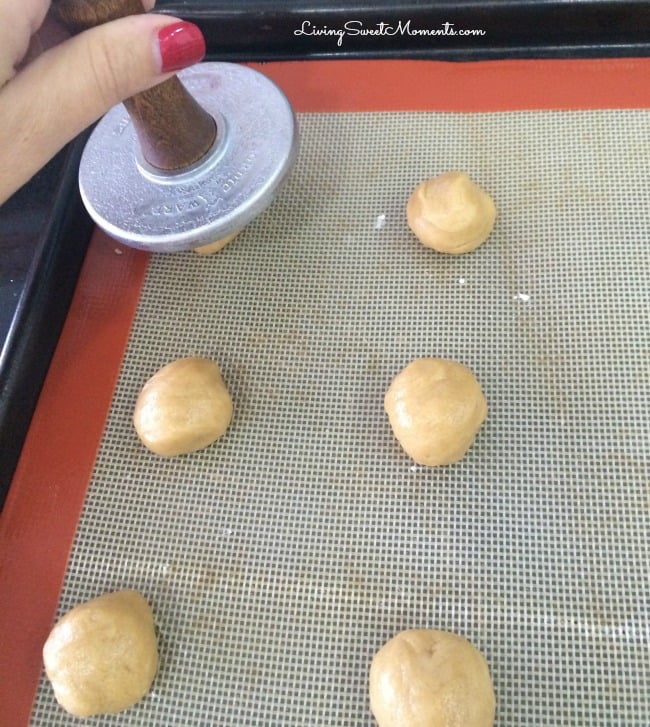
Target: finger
70 86
20 20
51 33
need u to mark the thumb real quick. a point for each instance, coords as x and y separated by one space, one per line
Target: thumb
70 86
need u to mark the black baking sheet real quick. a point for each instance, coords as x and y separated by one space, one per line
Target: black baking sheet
44 232
447 30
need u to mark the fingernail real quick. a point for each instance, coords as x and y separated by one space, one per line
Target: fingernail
181 45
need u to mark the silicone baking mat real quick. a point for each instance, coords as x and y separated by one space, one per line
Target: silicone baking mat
279 560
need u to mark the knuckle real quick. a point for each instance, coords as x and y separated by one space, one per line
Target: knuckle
112 71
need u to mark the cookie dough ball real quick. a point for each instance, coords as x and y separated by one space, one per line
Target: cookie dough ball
215 246
435 408
450 213
427 678
185 406
102 656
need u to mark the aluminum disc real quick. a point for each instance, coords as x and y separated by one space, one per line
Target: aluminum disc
239 177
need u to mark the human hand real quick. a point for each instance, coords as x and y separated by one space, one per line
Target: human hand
52 86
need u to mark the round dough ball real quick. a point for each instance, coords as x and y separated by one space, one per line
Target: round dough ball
428 678
450 213
183 407
435 408
102 656
217 245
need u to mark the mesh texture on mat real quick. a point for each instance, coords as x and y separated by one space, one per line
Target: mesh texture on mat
280 559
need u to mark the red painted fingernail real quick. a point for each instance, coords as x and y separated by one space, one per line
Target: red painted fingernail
181 45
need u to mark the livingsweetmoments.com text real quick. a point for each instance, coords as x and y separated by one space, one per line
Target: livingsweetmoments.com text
356 28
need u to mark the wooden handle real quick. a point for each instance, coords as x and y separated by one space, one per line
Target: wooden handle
173 128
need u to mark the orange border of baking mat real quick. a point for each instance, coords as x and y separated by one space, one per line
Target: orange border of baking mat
40 517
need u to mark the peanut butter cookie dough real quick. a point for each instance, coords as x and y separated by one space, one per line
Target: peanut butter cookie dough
428 678
435 408
215 246
102 656
183 407
450 213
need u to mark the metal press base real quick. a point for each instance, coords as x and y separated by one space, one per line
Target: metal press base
150 209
